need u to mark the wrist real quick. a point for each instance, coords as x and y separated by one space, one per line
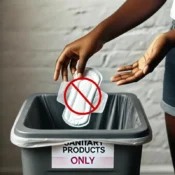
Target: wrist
98 34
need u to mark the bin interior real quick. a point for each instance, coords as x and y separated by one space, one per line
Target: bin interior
120 113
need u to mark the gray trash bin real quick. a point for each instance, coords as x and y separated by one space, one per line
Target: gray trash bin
122 129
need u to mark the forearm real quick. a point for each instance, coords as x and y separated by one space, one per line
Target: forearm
128 16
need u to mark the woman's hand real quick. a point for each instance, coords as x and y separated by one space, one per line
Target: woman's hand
80 50
146 64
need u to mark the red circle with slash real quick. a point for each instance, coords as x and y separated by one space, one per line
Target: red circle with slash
83 96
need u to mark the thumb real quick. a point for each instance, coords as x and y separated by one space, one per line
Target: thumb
81 66
146 69
150 65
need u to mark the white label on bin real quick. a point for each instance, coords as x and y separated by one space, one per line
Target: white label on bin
83 154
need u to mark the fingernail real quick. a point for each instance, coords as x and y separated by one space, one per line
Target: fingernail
74 76
112 79
73 71
79 75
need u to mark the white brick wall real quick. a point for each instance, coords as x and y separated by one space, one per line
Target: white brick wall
32 35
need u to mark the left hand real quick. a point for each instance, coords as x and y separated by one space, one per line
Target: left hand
146 64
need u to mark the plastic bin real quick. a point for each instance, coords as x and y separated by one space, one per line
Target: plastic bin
39 128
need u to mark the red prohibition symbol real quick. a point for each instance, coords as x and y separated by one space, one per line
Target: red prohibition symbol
93 108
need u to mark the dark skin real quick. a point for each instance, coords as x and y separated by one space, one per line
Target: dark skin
156 52
82 49
146 64
128 16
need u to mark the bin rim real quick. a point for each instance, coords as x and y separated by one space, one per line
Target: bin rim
21 134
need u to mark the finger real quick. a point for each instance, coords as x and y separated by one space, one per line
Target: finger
73 65
81 66
59 64
131 79
64 70
135 64
124 68
126 81
135 70
129 67
57 70
121 76
123 73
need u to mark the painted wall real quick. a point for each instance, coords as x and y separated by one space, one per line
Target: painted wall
32 35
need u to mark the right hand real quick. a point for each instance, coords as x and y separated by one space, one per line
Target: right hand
80 50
